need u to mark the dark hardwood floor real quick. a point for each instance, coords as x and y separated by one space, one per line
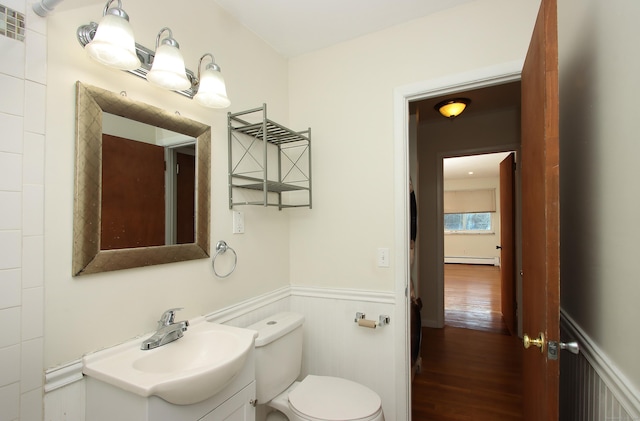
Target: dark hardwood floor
471 369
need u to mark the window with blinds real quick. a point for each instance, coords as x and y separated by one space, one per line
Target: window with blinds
469 211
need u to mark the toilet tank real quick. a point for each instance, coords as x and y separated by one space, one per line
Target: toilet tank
278 353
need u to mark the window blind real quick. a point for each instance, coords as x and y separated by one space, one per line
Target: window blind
470 201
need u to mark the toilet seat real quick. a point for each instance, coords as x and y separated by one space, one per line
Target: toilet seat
334 399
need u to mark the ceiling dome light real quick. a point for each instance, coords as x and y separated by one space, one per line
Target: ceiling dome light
452 108
168 70
212 91
113 43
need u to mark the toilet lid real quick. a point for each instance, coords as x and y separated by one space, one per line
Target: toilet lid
333 399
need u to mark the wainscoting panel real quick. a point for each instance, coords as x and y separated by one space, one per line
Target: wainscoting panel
336 346
247 313
591 387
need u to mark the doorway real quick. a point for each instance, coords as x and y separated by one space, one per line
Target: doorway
491 127
479 242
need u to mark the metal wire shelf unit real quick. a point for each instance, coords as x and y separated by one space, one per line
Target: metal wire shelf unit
269 158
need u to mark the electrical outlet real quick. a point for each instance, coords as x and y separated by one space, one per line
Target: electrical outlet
383 257
238 222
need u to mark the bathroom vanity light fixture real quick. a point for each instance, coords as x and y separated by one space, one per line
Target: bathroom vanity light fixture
112 43
451 108
167 70
156 66
212 91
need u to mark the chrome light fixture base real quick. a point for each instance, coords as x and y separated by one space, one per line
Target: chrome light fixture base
85 34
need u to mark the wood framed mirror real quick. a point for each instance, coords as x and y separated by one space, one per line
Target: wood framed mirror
89 254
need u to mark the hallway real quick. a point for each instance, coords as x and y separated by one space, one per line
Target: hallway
471 369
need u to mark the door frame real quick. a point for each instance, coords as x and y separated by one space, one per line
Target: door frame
476 78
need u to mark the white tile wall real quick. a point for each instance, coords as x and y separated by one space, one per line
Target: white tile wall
12 129
9 398
31 405
13 53
33 159
33 261
17 5
34 101
11 323
23 71
10 249
12 98
33 209
36 57
10 171
10 290
10 371
11 210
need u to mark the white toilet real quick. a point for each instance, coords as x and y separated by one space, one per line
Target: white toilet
316 398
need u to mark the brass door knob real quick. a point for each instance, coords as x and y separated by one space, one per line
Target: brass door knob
539 342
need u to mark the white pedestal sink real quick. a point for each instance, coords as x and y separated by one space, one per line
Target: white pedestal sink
184 372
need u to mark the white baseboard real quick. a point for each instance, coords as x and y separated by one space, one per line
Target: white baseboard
469 260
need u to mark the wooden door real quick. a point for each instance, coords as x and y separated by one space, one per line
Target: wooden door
186 206
540 214
132 194
507 244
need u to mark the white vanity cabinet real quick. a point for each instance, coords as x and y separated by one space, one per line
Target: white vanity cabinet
105 402
239 407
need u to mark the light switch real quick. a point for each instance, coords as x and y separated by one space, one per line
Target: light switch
238 222
383 257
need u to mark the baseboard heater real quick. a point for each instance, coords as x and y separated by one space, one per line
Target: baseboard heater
494 261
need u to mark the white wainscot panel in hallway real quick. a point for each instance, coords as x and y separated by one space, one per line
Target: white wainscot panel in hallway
592 388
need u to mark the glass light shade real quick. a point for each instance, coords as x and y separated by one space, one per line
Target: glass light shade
212 91
168 69
114 44
453 108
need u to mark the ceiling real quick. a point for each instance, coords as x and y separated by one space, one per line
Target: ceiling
483 100
294 27
482 166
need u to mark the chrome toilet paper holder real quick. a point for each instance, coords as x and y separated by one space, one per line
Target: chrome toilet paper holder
382 319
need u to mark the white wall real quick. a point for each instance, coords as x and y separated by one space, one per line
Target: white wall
599 151
345 93
95 311
22 144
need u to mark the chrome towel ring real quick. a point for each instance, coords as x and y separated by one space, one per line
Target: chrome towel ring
221 248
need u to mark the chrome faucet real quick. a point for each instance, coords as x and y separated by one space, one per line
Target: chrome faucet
167 331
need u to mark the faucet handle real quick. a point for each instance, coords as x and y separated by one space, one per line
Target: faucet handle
168 317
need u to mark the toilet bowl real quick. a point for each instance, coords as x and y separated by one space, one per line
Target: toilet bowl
315 398
328 399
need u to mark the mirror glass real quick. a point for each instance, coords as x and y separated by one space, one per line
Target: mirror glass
148 185
142 184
